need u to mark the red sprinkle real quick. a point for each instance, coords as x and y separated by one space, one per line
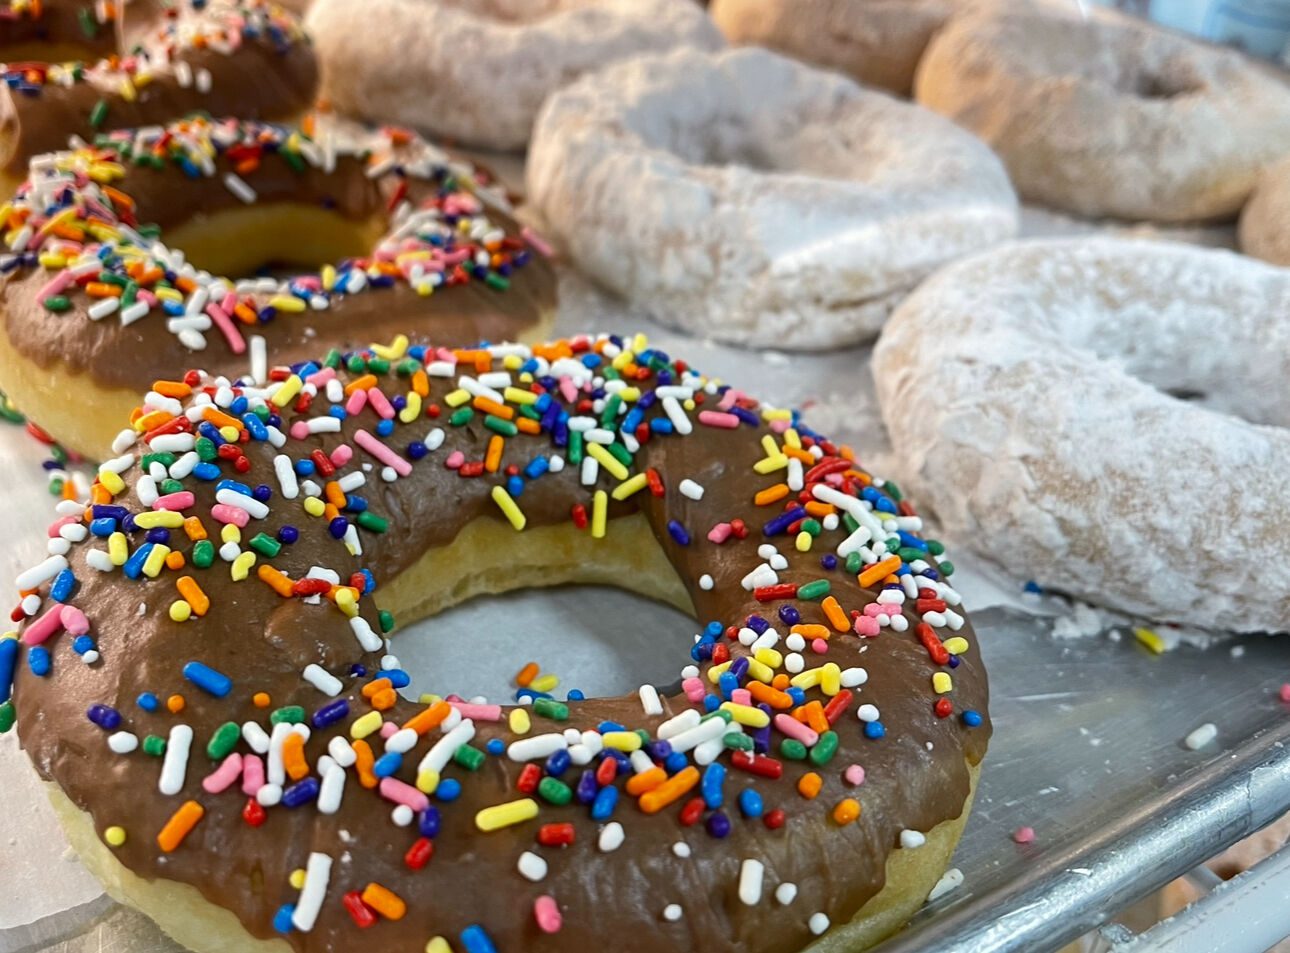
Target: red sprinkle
783 590
253 814
606 772
774 819
759 765
359 912
323 463
579 515
655 481
419 853
692 811
555 835
943 708
529 778
837 706
933 644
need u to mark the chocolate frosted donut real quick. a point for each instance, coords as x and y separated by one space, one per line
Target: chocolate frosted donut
72 29
247 58
203 675
111 251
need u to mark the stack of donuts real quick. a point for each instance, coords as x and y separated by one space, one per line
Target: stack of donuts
314 357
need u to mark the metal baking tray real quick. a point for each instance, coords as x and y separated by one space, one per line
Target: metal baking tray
1087 749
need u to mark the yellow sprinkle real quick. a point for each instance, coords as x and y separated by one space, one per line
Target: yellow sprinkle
956 645
942 683
229 533
365 725
513 362
114 835
412 411
112 482
607 460
640 342
804 541
288 391
328 276
599 514
793 439
167 519
297 878
156 561
807 679
180 611
229 433
770 446
438 944
770 464
760 671
630 394
769 657
427 781
520 721
346 602
288 303
716 671
772 414
747 715
241 567
9 635
689 404
510 509
516 396
429 698
621 740
394 350
168 294
457 397
544 683
630 486
505 815
118 549
830 678
1149 639
623 359
314 506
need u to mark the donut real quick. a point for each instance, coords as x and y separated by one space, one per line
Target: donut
95 304
1114 410
477 71
877 42
814 768
247 58
1109 116
743 196
45 30
1261 231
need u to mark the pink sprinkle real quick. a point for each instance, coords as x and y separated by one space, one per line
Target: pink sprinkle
382 453
854 775
392 789
1023 835
320 377
55 285
74 621
181 500
453 698
342 455
780 426
1285 692
876 609
867 626
568 389
357 401
309 283
58 524
479 712
230 514
232 335
728 399
714 418
47 625
455 460
720 533
741 696
147 297
694 690
538 244
547 914
445 354
252 774
795 729
388 729
299 430
229 302
223 777
380 404
819 646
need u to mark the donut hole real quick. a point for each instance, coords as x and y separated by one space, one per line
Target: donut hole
1163 83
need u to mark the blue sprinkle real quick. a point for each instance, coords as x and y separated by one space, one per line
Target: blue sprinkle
256 427
80 645
288 535
587 787
449 789
797 694
783 521
678 533
207 679
38 660
282 919
711 703
575 695
148 701
337 527
713 630
398 678
718 825
602 808
416 450
750 803
605 727
263 492
659 750
8 662
875 729
428 821
675 762
330 713
206 471
713 784
473 938
829 561
302 792
972 718
758 624
305 467
558 763
133 567
159 535
495 746
789 615
105 716
387 764
103 527
233 485
385 428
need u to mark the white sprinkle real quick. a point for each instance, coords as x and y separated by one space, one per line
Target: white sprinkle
437 757
332 790
709 730
750 881
100 560
650 700
122 742
818 923
238 186
911 839
952 879
231 497
536 746
706 582
532 867
590 470
402 741
259 358
317 877
854 677
786 893
40 573
133 313
270 795
688 718
323 680
174 767
611 837
203 77
402 815
867 713
341 751
369 640
1201 736
681 849
691 490
255 736
275 771
794 663
672 912
678 417
286 475
101 309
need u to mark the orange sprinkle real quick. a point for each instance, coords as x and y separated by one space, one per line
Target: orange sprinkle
670 790
811 630
194 529
261 700
335 495
180 825
177 389
384 901
834 613
646 781
384 701
275 580
430 718
493 458
376 685
487 406
293 756
99 493
528 425
175 560
846 811
366 382
101 289
812 715
146 422
773 697
527 674
871 575
191 591
330 512
771 494
781 681
820 510
801 455
245 313
219 418
175 704
364 762
421 384
809 785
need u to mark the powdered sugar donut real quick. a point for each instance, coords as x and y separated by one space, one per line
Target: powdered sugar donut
478 70
1265 221
1114 413
1109 116
879 42
756 200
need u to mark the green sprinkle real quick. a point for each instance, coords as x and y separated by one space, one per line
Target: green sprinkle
738 741
854 563
555 791
812 526
57 303
170 485
332 359
814 590
792 749
356 365
461 416
910 553
496 281
154 745
850 522
288 714
371 522
203 554
824 749
378 366
469 757
406 367
207 452
165 459
56 486
98 114
892 490
935 546
89 26
526 410
550 708
385 620
575 447
619 453
223 741
610 413
7 717
946 567
498 425
293 159
265 545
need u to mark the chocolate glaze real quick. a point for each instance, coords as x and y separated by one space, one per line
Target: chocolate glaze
60 25
133 356
917 775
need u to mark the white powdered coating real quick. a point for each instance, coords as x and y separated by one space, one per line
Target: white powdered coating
877 42
1109 116
1265 221
1025 391
477 71
750 198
